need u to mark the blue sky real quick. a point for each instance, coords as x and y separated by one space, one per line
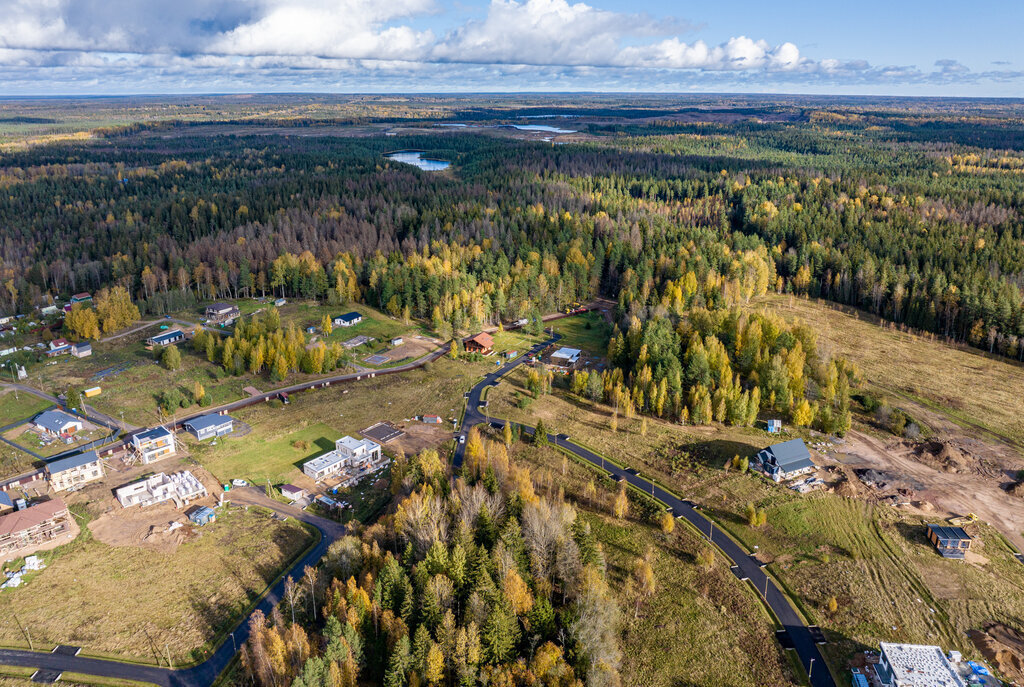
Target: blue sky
897 47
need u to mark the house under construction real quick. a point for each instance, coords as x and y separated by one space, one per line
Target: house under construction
180 487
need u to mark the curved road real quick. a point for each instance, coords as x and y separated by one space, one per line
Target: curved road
205 673
745 566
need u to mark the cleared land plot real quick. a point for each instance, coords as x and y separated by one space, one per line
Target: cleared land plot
962 383
382 432
587 331
271 451
23 407
138 603
716 628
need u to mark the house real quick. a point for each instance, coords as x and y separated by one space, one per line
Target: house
279 302
786 460
74 471
566 357
349 319
432 419
952 542
915 665
179 487
56 423
774 426
6 319
6 504
222 312
481 343
207 426
49 310
292 492
58 347
33 526
83 297
81 350
166 338
348 454
202 515
397 341
153 444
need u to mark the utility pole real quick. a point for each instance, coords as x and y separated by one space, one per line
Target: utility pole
810 671
167 646
25 630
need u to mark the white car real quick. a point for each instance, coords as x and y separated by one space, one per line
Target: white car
462 439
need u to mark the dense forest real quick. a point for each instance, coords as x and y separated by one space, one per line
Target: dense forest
911 213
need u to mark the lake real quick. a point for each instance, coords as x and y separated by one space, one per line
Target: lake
543 127
415 157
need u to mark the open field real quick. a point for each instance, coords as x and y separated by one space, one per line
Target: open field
873 558
23 407
264 453
587 331
140 603
962 383
719 633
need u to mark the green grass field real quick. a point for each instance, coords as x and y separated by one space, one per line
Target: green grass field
22 407
133 602
588 332
268 452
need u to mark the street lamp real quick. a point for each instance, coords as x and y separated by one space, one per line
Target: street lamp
810 671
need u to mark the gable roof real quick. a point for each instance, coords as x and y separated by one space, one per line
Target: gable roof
54 420
349 317
21 520
568 353
71 462
483 338
207 421
5 499
167 336
791 454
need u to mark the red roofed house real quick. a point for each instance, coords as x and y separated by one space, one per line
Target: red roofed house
481 343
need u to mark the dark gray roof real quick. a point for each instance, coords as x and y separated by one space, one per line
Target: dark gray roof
348 317
53 420
168 336
207 421
77 460
791 455
948 532
154 433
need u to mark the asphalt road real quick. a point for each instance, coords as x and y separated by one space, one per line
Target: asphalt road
745 567
203 674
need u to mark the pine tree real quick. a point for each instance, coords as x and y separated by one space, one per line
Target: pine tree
540 434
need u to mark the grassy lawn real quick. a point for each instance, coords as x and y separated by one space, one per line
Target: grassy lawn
270 451
963 383
874 559
24 407
34 441
700 613
588 332
138 603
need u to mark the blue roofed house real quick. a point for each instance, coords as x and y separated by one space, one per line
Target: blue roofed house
786 460
209 426
166 338
347 320
74 471
56 423
153 444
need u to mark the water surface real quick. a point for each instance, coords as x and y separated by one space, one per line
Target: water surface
415 157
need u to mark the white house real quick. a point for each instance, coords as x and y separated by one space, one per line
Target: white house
74 471
56 423
349 319
179 487
915 665
154 444
348 454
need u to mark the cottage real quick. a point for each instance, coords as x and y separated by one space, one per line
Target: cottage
56 423
222 312
49 310
348 453
166 338
82 297
202 515
786 460
74 471
81 350
292 492
349 319
179 487
33 526
566 357
153 444
952 542
915 665
207 426
481 343
58 347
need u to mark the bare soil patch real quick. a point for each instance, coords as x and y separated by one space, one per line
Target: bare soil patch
1003 647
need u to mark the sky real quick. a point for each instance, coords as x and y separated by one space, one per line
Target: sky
869 47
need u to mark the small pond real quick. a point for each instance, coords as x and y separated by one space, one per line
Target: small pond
415 157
